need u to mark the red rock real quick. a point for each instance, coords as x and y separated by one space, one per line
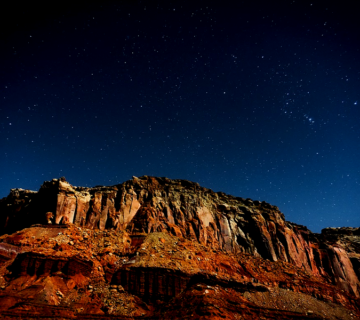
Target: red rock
174 248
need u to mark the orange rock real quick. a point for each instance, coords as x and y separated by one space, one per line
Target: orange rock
219 256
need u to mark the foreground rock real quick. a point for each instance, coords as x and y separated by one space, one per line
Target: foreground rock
169 249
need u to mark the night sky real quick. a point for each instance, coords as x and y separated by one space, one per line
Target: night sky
257 100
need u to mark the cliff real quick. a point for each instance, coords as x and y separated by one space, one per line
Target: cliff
157 243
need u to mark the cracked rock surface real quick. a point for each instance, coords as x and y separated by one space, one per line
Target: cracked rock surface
155 248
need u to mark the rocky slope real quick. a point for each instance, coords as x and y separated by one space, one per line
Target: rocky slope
157 248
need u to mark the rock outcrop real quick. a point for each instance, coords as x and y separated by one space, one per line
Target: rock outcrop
208 240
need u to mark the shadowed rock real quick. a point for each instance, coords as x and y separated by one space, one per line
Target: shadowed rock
182 209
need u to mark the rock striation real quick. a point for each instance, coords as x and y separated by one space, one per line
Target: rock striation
156 242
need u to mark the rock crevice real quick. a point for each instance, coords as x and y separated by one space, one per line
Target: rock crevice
185 209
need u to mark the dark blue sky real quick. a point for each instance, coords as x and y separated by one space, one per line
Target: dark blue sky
258 101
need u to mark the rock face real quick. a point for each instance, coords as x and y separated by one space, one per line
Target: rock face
230 232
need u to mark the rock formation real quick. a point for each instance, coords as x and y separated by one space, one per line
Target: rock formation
168 249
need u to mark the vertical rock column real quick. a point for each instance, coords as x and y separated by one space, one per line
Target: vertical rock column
65 208
82 208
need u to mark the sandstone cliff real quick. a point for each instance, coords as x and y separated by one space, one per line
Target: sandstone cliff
242 234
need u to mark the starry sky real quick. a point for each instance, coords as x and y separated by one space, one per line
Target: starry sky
258 99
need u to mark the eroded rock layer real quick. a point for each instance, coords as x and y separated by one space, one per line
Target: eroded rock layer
154 243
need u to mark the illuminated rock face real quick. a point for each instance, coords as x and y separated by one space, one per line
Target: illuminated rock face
183 210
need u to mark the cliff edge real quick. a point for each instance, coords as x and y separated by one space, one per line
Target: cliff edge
158 240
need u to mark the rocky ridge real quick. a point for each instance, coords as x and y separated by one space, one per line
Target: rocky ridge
160 248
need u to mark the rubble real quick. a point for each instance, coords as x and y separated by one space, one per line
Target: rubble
168 249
